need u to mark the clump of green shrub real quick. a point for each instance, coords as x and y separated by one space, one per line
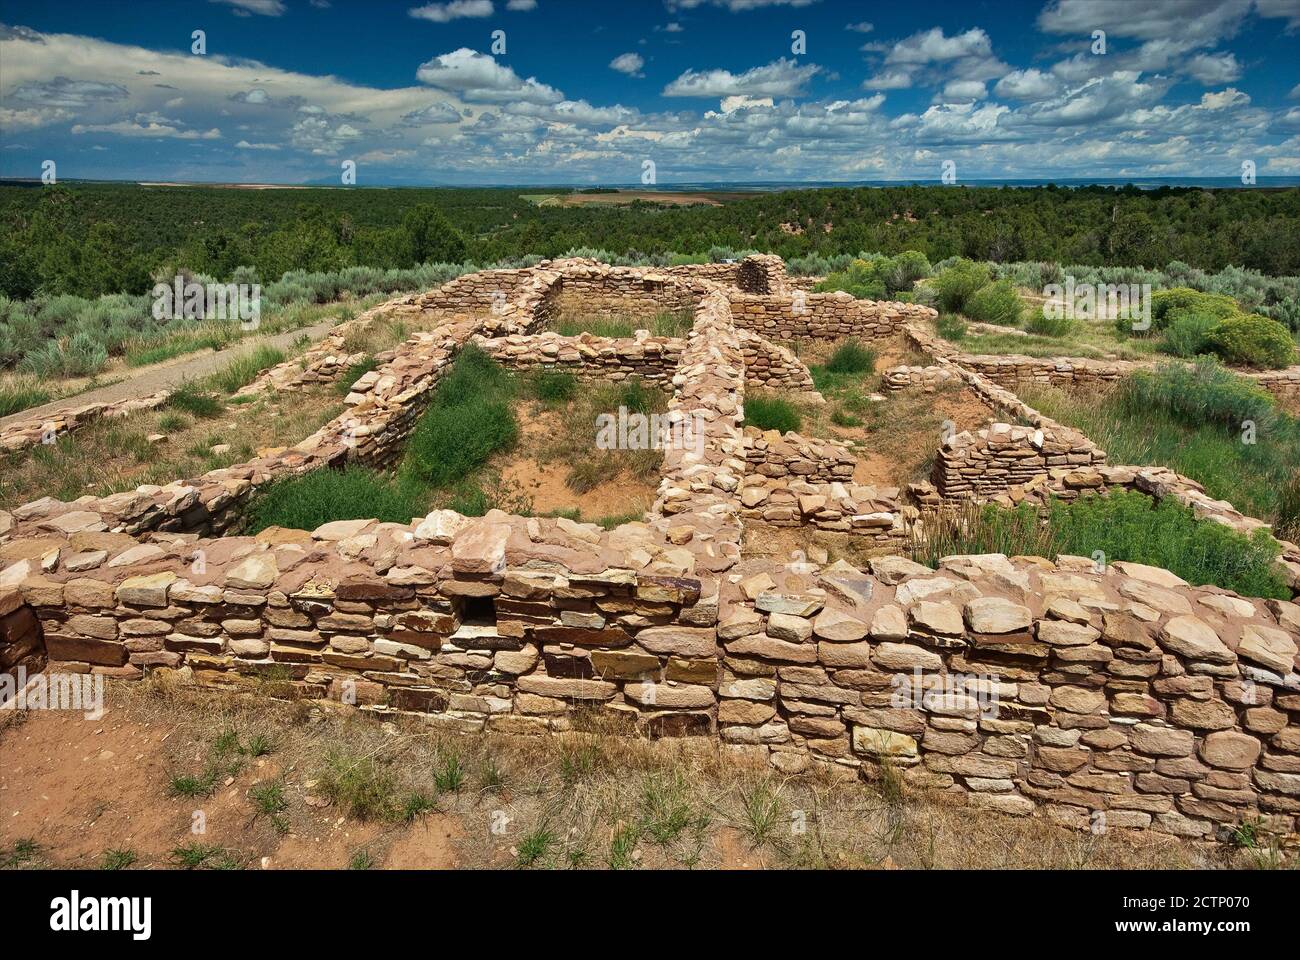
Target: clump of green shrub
951 327
878 277
1121 525
469 419
1039 323
955 285
852 357
860 279
769 412
1197 394
1252 340
635 396
1128 525
553 387
996 303
354 493
80 355
191 399
1167 306
1186 336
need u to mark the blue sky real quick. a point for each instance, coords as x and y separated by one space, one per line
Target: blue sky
589 92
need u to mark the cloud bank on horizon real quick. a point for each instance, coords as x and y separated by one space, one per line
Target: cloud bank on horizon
522 91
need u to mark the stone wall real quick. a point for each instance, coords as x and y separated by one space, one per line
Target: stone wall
874 513
822 315
927 379
1023 686
594 290
24 434
756 273
770 453
1009 370
22 646
1124 699
1283 384
772 366
587 357
986 463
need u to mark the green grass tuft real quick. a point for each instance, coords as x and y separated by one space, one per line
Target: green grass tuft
353 493
852 357
768 412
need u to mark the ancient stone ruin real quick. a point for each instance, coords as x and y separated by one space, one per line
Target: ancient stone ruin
1116 694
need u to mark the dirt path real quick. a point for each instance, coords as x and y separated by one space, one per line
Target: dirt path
162 376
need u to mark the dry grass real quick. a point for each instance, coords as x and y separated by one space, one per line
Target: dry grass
110 456
591 798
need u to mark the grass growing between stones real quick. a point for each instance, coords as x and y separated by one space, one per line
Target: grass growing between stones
767 411
358 794
1122 525
246 367
113 455
469 419
665 323
1202 422
467 440
354 493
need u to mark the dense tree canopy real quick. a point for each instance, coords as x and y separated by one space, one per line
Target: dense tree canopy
95 238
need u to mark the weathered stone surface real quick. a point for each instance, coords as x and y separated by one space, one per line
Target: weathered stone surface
1202 715
938 618
1162 742
1195 640
567 689
257 571
996 615
1063 633
904 657
480 549
1230 750
839 627
146 591
876 742
787 627
679 641
1268 646
889 623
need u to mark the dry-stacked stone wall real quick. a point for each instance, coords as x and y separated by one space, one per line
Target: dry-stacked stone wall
1116 695
772 366
983 464
822 315
873 513
587 357
1069 373
770 453
595 290
1120 696
23 434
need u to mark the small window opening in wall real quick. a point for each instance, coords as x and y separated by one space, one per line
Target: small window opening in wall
478 611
